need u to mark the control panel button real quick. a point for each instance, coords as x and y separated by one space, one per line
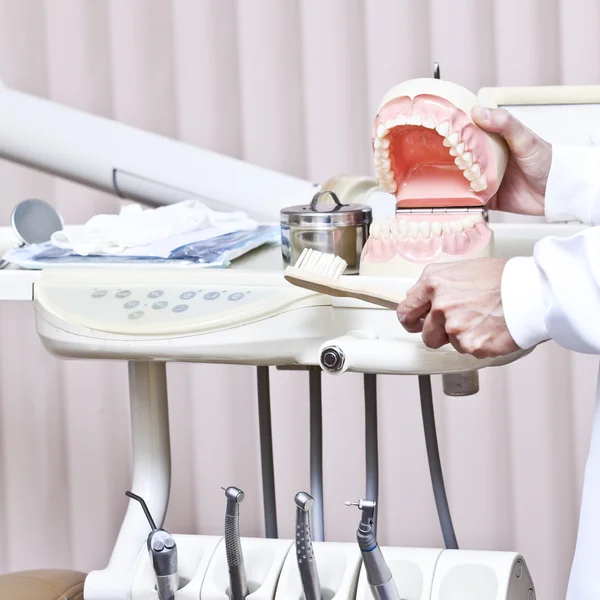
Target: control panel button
131 304
123 294
99 293
236 296
136 314
211 295
180 308
155 294
159 305
187 295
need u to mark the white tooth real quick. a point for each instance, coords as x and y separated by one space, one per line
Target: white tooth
375 229
456 226
451 140
401 120
389 187
436 228
403 228
413 228
383 152
479 184
446 227
415 120
388 176
429 123
467 222
458 150
425 228
443 129
382 131
394 228
386 163
473 172
468 158
381 143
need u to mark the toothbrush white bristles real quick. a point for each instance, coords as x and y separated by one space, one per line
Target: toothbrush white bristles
327 265
322 273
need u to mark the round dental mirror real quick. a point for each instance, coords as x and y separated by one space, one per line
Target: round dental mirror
34 221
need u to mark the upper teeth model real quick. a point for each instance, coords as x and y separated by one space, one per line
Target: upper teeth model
429 154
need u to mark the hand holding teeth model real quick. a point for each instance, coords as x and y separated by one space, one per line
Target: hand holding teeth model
235 559
379 575
304 550
163 552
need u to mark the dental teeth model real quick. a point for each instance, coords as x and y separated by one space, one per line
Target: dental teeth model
163 553
304 551
235 560
431 157
378 573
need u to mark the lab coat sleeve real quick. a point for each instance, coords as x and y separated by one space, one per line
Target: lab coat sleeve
555 294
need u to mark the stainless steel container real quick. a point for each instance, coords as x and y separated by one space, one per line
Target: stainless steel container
333 227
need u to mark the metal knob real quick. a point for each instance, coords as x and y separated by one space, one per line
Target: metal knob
332 359
461 384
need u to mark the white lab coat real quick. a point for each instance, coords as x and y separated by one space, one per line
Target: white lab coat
556 295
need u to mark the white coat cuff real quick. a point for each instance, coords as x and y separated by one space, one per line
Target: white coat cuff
522 293
573 187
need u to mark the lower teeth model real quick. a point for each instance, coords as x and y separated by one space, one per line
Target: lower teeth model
405 244
431 157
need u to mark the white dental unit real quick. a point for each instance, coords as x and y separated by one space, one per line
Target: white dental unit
246 314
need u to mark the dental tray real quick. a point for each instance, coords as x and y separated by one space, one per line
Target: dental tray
244 315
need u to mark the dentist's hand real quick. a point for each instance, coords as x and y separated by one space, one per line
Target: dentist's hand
459 303
523 187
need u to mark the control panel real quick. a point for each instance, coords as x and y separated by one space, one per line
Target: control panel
170 306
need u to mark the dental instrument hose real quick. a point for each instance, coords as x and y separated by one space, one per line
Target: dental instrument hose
304 550
379 575
163 552
435 465
235 559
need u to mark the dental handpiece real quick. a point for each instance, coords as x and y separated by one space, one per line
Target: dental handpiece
304 550
379 575
233 548
163 552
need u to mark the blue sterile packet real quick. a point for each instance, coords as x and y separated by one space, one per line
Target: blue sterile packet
216 252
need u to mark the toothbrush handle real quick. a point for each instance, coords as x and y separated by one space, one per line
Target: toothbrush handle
235 560
343 288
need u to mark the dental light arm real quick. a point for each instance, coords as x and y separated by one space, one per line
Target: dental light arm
137 165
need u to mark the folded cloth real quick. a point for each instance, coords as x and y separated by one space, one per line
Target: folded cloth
134 227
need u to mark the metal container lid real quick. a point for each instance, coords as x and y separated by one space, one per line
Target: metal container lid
330 213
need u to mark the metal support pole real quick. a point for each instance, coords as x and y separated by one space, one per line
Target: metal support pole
371 441
151 478
266 451
316 454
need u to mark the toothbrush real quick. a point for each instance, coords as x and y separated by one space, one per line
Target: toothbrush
233 548
322 273
304 550
379 575
163 552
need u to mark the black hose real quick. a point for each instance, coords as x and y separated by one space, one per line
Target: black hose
435 465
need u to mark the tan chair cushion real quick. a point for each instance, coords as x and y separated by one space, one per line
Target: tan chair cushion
42 585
